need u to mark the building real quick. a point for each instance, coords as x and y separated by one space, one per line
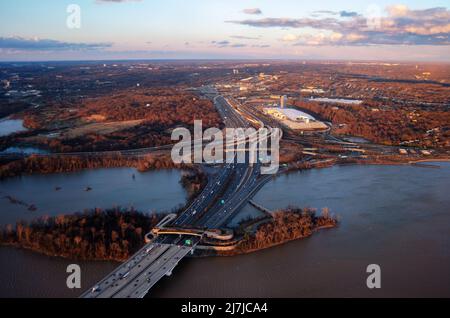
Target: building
312 90
295 119
290 114
283 101
247 79
6 84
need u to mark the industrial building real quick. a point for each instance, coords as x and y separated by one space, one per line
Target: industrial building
283 101
295 119
290 114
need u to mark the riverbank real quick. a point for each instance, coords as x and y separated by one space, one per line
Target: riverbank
97 235
287 225
60 164
390 161
116 234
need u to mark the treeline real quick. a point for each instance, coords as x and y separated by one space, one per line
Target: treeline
144 135
113 234
61 164
305 165
287 225
194 181
290 152
10 107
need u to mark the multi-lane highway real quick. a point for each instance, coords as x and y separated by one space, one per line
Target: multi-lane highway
222 198
140 273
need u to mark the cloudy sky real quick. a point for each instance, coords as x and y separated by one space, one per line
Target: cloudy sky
280 29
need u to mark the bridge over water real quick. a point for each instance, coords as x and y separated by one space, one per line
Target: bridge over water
178 237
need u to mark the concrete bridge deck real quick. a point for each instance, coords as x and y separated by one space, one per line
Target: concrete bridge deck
141 272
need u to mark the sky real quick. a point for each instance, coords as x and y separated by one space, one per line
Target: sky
33 30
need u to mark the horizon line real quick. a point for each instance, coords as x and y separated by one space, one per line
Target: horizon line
230 60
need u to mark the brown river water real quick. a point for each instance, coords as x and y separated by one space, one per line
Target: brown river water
395 216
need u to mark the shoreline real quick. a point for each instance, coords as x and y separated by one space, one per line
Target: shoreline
240 252
50 255
201 255
304 220
251 251
396 163
431 160
44 165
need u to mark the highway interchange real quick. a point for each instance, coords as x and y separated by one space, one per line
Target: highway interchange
222 198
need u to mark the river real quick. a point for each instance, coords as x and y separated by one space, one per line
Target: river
395 216
24 151
10 126
65 193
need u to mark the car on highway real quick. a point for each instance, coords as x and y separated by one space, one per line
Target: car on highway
125 275
95 289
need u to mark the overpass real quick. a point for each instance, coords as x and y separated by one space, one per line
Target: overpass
222 198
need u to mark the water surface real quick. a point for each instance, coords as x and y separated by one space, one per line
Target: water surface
28 274
67 193
11 126
394 216
24 151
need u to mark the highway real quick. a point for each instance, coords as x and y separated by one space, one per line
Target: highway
245 176
141 272
222 198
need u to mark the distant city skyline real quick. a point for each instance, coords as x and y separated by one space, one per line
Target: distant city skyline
225 29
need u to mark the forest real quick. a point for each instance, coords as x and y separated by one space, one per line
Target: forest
116 234
164 106
60 164
113 234
156 111
387 126
193 181
287 225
